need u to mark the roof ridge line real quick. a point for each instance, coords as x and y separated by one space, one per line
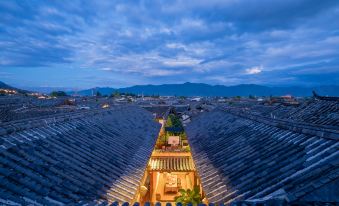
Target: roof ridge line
299 127
11 127
293 176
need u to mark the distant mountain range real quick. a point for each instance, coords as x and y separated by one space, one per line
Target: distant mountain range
199 89
47 90
6 86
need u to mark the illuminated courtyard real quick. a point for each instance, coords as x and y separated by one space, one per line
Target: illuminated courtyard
171 167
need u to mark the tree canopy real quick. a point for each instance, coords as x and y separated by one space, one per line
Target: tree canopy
58 94
98 94
189 196
173 121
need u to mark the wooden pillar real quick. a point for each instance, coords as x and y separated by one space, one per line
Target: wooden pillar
195 179
151 185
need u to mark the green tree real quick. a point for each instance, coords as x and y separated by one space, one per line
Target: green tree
183 136
173 121
116 94
98 94
58 94
189 196
169 121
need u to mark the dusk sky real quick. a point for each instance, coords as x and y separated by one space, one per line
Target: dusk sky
81 44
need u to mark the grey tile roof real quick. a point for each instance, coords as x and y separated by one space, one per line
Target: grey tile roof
91 155
239 158
160 111
20 107
171 164
314 111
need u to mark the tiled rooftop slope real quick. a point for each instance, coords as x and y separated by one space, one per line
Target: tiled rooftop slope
17 107
241 158
314 111
77 157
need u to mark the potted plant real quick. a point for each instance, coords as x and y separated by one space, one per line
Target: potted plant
189 196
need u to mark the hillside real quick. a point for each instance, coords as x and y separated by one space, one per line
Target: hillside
6 86
199 89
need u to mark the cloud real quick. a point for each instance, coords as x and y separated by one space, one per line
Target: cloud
162 72
181 61
160 42
254 70
106 69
